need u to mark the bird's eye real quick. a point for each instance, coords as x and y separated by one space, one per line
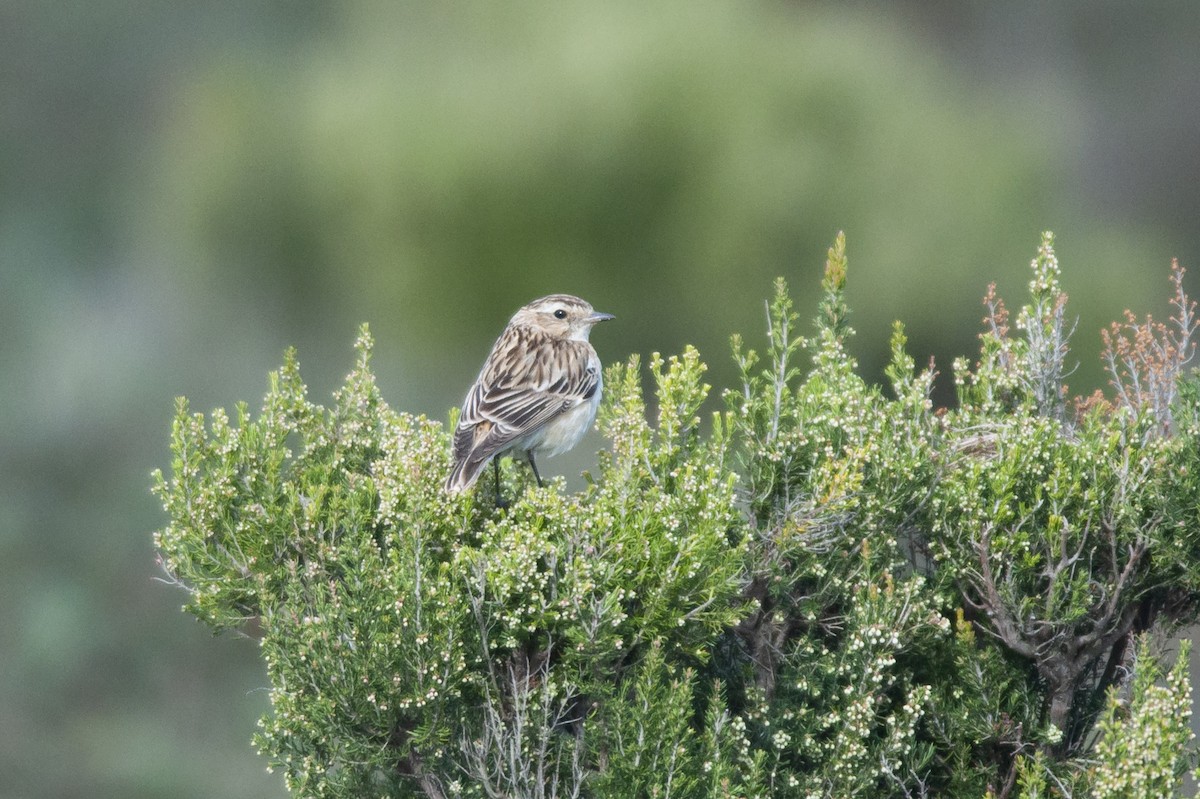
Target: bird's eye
560 314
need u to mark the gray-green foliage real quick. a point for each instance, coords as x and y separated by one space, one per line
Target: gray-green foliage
833 592
427 171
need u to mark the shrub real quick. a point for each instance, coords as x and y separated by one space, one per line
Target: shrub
827 591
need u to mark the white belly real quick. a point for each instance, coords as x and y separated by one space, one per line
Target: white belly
566 430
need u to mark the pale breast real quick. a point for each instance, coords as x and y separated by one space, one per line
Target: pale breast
566 430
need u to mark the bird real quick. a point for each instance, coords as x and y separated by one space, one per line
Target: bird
537 392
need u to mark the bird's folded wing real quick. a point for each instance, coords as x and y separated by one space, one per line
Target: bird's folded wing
497 415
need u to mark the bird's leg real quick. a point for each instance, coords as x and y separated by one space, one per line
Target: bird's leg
500 503
532 465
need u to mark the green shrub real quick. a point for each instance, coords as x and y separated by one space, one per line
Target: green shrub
834 591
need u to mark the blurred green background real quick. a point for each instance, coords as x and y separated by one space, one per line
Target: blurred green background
186 189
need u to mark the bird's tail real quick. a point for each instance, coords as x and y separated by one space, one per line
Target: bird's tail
464 474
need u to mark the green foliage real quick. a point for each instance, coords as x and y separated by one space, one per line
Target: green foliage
833 592
631 151
404 630
1065 534
1141 752
832 477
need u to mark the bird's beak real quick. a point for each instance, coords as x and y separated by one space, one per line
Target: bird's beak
599 317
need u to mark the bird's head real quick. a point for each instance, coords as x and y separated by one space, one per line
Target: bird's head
560 316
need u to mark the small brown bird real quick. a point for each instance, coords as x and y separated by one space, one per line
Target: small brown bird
537 392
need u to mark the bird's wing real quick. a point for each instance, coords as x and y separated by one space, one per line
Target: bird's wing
527 381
